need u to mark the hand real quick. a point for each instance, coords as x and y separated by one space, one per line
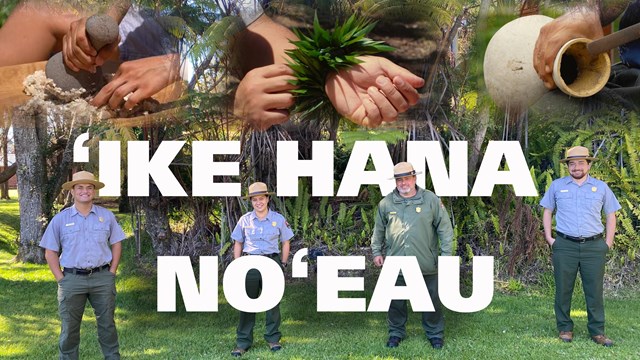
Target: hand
579 23
263 96
137 80
551 241
609 244
378 261
77 51
374 91
59 277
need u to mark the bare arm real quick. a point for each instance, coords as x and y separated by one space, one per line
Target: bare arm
611 9
237 249
610 229
53 260
116 252
285 251
35 30
46 27
262 43
546 222
119 9
584 21
376 90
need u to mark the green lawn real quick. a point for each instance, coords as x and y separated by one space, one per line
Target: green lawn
513 327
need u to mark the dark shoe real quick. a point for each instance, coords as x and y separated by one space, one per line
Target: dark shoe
566 336
275 346
237 352
393 342
602 340
436 343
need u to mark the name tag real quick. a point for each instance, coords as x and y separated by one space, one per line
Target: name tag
69 224
392 212
564 190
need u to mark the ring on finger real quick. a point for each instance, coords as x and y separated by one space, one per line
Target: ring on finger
126 97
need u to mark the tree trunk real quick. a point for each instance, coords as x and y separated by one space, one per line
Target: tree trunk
156 207
484 113
484 116
156 210
32 181
4 152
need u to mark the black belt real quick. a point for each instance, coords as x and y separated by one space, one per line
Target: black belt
267 255
86 271
580 239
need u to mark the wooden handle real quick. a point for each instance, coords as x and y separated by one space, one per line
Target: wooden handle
614 40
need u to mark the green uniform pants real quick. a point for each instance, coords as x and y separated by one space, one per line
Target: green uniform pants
432 322
244 332
589 258
73 292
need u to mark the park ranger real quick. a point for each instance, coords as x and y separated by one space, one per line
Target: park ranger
579 201
85 240
412 221
259 233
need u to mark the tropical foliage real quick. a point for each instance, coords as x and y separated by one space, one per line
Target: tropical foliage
453 106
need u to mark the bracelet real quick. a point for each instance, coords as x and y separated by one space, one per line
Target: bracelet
317 55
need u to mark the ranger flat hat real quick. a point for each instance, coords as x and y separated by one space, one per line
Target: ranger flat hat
577 153
403 169
258 188
83 177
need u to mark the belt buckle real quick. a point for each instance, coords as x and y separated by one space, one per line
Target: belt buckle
582 240
90 271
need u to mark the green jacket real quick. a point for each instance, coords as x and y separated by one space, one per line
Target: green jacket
411 227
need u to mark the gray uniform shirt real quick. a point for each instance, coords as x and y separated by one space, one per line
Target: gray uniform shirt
83 242
261 237
579 208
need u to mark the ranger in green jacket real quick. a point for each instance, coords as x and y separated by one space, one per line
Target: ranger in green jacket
409 222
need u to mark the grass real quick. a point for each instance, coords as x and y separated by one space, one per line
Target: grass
517 326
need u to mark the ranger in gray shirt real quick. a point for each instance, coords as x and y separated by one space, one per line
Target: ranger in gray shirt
85 241
579 202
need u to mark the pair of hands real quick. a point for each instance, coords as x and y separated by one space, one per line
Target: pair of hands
369 93
134 80
579 23
374 91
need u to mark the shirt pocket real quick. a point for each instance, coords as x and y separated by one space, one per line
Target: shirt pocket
271 234
564 201
69 233
100 233
594 201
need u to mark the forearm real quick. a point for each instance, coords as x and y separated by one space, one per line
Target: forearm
609 10
119 9
53 261
262 43
610 228
546 222
446 246
377 238
376 242
116 252
237 249
285 251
